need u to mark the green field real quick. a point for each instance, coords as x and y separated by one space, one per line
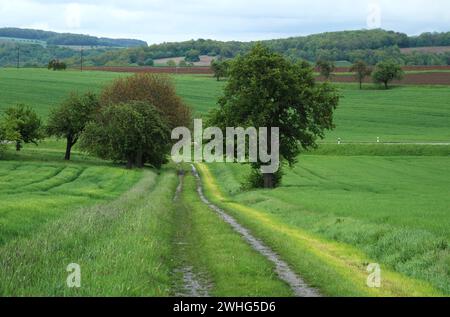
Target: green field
395 209
402 114
340 208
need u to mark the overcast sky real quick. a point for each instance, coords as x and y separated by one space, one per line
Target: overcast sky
159 21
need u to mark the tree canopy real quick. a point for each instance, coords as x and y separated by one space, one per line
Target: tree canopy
385 72
361 71
155 89
71 117
265 89
133 132
21 124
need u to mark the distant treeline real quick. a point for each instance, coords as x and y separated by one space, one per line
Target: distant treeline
53 38
371 46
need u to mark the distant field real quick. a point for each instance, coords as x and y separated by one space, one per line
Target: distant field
24 41
205 60
429 49
44 89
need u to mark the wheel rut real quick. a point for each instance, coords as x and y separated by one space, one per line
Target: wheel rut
284 272
194 283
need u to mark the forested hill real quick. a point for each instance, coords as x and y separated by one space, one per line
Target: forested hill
371 46
67 39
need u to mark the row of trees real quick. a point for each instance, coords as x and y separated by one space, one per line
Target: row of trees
383 73
130 121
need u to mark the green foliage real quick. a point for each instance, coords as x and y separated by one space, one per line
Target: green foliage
371 46
3 140
53 38
22 125
55 64
171 63
361 71
266 90
149 62
155 89
71 117
385 72
326 68
220 68
192 56
134 132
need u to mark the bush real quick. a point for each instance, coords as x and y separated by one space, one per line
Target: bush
57 65
256 179
22 125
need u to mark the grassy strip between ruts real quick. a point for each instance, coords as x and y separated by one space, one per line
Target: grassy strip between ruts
123 247
233 267
335 268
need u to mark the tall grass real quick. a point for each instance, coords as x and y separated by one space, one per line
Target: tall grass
123 247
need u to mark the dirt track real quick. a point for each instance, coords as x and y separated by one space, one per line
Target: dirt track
282 269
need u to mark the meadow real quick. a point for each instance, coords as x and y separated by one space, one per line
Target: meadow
340 208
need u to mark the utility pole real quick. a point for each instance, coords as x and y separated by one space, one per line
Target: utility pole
18 57
81 60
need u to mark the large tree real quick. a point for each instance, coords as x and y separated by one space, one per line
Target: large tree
220 68
267 90
133 132
155 89
361 71
387 71
22 125
71 117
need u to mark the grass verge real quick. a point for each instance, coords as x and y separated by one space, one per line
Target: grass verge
335 268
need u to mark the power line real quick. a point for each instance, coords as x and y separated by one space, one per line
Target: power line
81 60
18 56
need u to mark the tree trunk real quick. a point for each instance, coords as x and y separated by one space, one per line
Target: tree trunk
68 149
18 146
129 164
139 159
360 84
269 180
386 85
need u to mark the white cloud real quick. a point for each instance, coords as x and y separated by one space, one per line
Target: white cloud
72 16
175 20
